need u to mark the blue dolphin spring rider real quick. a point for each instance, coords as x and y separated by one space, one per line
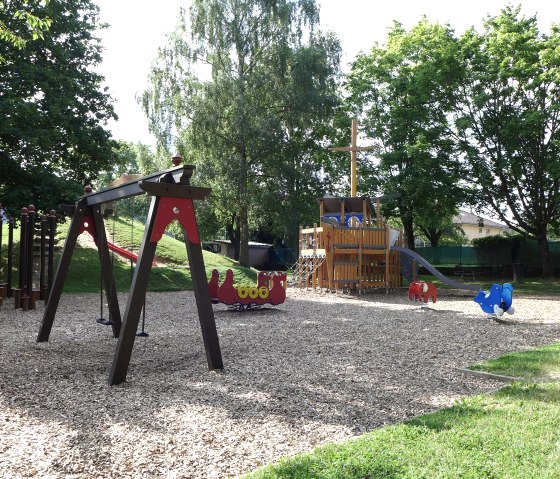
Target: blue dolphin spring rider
496 302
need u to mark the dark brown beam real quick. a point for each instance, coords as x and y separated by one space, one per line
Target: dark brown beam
132 188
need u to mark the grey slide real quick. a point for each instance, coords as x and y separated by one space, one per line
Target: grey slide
434 271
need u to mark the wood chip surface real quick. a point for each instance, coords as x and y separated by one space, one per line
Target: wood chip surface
319 368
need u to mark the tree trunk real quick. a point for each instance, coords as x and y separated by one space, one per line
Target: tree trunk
433 238
243 212
232 230
408 229
544 251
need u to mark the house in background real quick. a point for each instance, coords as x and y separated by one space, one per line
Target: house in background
476 226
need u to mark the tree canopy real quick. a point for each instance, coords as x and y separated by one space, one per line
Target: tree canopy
507 118
255 123
36 26
52 105
405 91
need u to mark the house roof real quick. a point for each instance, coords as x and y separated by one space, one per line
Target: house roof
467 218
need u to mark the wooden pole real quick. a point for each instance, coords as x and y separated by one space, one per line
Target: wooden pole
353 181
353 148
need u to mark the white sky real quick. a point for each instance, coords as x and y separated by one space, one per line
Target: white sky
138 28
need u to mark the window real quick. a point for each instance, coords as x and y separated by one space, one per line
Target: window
487 231
480 230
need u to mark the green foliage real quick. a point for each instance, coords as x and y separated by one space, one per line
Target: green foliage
507 122
53 110
36 25
494 241
254 129
406 91
535 364
513 434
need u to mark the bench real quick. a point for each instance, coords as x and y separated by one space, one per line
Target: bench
466 271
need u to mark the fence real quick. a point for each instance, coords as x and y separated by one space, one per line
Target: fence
527 254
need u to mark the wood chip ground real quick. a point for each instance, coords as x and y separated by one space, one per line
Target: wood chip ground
318 368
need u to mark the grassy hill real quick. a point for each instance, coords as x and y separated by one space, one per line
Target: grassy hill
171 274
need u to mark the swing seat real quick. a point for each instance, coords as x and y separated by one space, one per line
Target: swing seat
105 322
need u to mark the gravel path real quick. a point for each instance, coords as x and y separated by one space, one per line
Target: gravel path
319 368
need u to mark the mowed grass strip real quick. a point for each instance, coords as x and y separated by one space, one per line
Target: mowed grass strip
535 364
513 433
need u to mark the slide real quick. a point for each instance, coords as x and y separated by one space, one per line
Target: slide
434 271
123 252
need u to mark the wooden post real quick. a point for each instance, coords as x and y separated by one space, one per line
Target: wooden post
10 256
30 255
353 157
52 239
55 288
353 149
42 253
300 259
387 255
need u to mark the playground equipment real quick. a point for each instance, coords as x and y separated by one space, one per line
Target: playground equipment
32 268
422 291
172 199
270 289
497 301
351 250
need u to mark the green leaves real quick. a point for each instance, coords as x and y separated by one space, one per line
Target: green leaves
255 121
406 92
52 107
507 121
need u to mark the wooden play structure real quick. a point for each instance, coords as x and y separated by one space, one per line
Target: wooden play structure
351 249
35 258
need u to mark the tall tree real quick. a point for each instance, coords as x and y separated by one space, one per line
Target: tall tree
272 82
53 108
36 26
405 91
508 122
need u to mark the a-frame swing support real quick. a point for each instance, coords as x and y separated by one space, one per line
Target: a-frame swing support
172 198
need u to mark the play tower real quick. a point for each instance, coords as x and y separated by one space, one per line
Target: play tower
351 249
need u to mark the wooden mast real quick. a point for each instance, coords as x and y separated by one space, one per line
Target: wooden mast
353 149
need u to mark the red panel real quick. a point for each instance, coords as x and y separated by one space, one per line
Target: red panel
88 225
180 209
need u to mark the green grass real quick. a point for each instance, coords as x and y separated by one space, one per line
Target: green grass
84 272
531 286
534 364
514 433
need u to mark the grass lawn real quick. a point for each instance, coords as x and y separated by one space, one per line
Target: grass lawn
535 364
514 433
531 286
84 272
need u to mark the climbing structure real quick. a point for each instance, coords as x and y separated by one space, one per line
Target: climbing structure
351 249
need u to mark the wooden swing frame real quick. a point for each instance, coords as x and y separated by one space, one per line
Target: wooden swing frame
172 198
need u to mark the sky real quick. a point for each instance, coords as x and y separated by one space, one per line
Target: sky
138 27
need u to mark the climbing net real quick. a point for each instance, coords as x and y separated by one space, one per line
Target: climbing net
302 273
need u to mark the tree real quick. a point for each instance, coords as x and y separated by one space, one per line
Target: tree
405 91
254 128
53 110
508 122
36 26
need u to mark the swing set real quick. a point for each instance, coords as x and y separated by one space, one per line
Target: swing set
172 199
